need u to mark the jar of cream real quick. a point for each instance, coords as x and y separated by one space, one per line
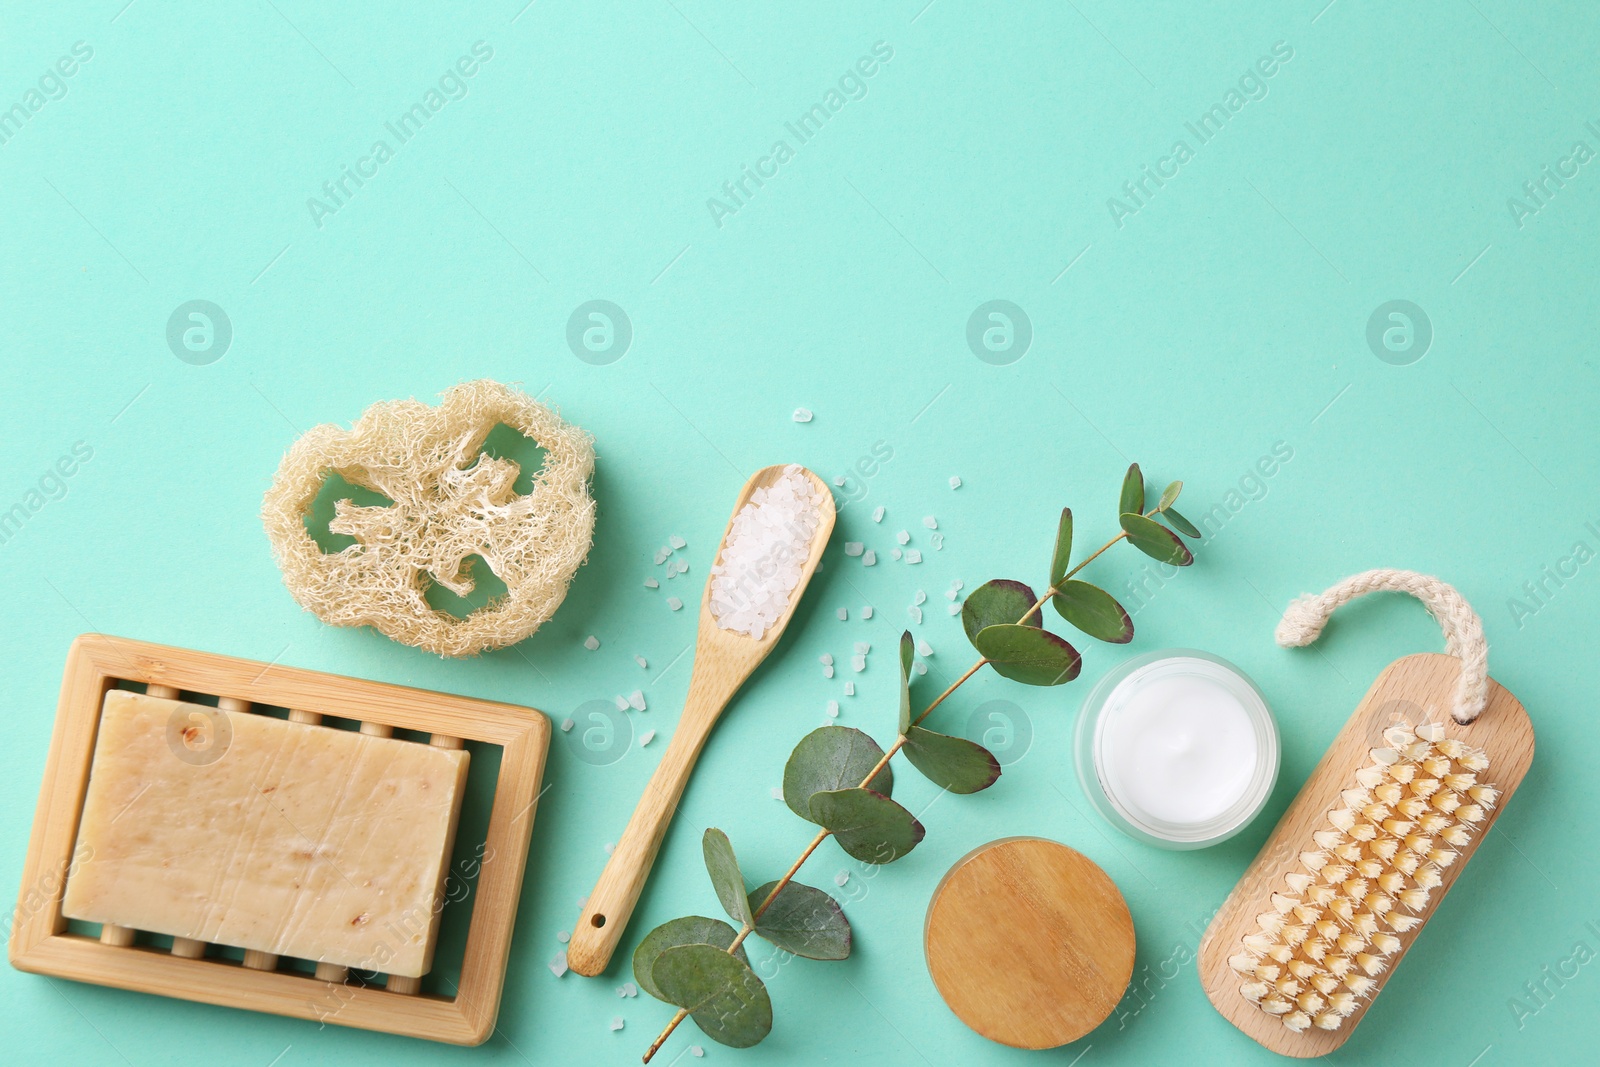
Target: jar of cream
1177 748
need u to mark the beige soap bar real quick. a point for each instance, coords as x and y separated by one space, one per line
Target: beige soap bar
299 840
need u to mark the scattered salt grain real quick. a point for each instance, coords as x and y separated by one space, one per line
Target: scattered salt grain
826 659
651 583
764 554
566 725
616 1023
636 700
683 566
777 792
955 609
591 642
827 672
849 689
937 541
642 662
930 522
833 709
563 936
696 1051
895 553
853 548
621 702
611 846
951 594
802 415
866 612
919 667
924 649
913 556
868 558
839 480
903 536
841 878
677 542
674 603
877 513
629 989
956 583
646 737
844 614
558 965
915 613
862 648
955 483
583 902
920 598
858 663
661 555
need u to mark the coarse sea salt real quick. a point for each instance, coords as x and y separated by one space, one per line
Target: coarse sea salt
849 689
913 556
802 415
877 513
955 482
930 522
937 540
651 583
853 548
868 558
866 612
765 552
591 642
903 536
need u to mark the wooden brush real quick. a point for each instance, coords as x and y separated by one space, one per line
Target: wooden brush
1376 837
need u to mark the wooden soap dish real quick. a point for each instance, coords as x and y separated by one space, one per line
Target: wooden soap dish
42 942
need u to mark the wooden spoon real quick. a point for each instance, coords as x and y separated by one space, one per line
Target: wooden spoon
723 659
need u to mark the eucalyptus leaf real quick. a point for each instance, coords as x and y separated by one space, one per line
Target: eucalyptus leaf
994 603
1169 495
1028 654
1181 524
832 757
728 1002
1132 491
952 763
1155 540
689 930
1063 551
1094 611
868 825
725 876
908 651
803 920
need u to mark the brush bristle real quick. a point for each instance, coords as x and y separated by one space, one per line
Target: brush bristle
1372 869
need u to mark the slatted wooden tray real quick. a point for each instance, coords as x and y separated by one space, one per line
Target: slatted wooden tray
41 941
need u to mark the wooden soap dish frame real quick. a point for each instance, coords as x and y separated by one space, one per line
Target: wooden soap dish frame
42 943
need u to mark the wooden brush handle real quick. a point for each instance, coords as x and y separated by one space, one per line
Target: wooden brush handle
610 905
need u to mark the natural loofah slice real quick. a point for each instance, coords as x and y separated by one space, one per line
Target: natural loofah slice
451 502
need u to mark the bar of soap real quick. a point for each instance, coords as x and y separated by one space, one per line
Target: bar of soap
300 840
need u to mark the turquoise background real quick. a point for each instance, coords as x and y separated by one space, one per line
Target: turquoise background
1225 316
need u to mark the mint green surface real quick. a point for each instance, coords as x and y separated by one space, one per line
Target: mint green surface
1219 317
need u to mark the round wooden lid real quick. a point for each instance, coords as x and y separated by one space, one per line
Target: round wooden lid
1029 942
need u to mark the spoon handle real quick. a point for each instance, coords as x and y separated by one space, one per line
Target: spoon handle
610 905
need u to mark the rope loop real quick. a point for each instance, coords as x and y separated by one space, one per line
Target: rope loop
1305 617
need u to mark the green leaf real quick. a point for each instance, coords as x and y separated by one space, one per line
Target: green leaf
1155 540
867 825
725 876
1181 524
1132 491
1028 654
1063 551
952 763
803 920
832 757
1094 611
728 1002
689 930
994 603
908 651
1169 495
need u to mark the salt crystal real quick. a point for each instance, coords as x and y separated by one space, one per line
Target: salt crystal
621 702
611 846
862 648
640 660
583 902
853 548
849 689
919 667
915 613
616 1023
844 614
827 672
764 554
674 603
651 583
839 480
591 642
629 989
955 483
895 553
841 878
826 659
913 556
558 965
566 725
636 700
646 737
930 522
920 598
661 555
951 594
937 541
802 415
955 583
858 663
868 558
833 709
563 937
677 542
924 649
696 1051
903 536
683 566
877 513
866 612
777 792
955 609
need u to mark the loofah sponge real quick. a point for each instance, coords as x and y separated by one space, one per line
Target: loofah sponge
451 502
